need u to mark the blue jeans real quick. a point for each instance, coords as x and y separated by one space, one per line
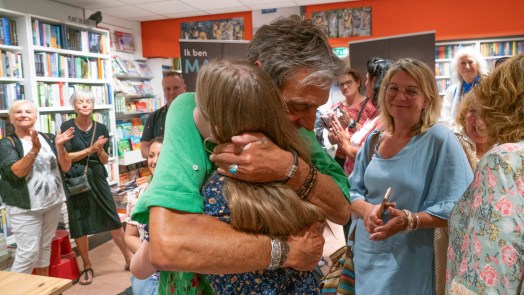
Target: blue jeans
148 286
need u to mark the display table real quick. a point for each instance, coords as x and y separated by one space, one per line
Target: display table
13 283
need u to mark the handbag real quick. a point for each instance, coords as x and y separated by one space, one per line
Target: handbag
80 184
340 279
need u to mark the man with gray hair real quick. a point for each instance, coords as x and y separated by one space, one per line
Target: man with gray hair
297 56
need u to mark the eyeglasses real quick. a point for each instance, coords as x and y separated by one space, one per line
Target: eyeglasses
409 92
347 83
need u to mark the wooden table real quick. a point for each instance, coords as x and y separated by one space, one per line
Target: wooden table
13 283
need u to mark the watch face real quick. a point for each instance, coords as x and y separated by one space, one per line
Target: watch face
352 124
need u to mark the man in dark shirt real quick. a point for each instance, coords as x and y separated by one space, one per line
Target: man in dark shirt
173 85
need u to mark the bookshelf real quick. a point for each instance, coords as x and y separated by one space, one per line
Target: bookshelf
491 49
135 99
15 79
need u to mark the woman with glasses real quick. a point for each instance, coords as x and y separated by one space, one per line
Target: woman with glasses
468 67
355 109
424 168
350 142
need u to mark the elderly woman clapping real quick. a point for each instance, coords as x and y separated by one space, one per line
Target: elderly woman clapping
32 186
93 211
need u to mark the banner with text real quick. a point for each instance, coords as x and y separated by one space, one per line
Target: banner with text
196 53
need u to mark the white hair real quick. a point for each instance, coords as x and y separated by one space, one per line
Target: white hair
81 93
17 103
472 52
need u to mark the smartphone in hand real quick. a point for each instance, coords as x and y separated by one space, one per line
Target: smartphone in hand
384 202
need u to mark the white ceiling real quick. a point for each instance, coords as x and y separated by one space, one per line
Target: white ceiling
145 10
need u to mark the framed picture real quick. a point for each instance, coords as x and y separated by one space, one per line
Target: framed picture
221 29
124 42
343 23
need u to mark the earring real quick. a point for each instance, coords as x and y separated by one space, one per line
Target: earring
205 146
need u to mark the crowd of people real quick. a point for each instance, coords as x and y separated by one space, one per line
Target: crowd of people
242 189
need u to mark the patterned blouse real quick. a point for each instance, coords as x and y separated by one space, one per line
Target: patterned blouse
279 281
486 242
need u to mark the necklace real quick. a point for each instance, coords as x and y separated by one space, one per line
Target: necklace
83 128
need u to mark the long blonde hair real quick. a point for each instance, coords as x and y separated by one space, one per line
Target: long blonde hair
237 97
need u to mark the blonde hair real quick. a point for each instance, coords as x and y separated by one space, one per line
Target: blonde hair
463 109
500 98
425 79
17 103
237 97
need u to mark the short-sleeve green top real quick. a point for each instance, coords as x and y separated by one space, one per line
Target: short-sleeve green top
184 165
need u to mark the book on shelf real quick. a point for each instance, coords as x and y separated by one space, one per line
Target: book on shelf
9 93
6 128
10 64
50 122
144 69
8 34
62 36
127 66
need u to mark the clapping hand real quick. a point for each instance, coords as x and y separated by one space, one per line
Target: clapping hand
36 142
98 145
63 137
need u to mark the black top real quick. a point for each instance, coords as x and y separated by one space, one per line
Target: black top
155 124
82 139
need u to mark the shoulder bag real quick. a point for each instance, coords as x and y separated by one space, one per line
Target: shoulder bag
340 279
80 184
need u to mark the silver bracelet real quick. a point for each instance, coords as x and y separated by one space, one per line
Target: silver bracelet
276 254
293 168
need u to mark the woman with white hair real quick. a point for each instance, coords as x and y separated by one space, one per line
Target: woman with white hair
468 67
32 187
93 211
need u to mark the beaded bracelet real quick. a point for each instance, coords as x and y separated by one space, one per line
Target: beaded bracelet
293 168
304 191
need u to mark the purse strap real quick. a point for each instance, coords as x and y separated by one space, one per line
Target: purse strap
362 109
92 139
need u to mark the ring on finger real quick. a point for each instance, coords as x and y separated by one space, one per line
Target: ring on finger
233 168
263 140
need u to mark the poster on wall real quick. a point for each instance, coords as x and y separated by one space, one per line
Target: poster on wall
124 42
222 29
197 53
343 23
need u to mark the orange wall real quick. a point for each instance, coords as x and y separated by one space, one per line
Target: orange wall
451 19
160 38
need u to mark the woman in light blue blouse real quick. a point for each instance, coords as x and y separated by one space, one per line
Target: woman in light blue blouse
426 169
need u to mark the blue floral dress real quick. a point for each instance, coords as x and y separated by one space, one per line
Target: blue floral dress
486 228
279 281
